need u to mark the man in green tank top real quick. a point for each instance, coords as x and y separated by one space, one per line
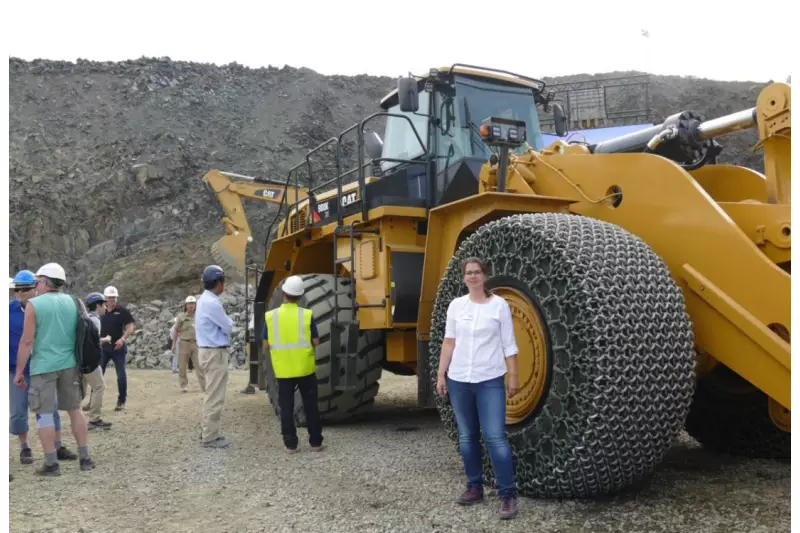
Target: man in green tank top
49 338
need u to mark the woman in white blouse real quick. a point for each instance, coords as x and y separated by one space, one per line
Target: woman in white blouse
479 348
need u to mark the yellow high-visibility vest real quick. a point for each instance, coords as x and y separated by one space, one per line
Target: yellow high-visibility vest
289 337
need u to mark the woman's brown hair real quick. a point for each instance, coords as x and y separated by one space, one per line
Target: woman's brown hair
478 261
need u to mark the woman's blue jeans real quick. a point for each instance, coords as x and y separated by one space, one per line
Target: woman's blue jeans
481 408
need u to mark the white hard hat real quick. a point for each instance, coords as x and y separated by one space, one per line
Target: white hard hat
52 271
110 292
190 300
293 286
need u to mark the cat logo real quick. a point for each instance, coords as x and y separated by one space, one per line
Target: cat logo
349 198
268 193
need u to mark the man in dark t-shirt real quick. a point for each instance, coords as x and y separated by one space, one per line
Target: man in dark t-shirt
118 323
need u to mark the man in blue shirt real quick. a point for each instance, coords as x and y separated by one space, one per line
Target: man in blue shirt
212 330
24 287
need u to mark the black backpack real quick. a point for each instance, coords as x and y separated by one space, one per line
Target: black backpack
87 341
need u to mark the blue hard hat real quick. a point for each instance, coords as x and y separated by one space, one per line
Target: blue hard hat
213 273
95 297
24 279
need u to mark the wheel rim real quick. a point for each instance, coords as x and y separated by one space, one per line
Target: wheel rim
781 417
529 331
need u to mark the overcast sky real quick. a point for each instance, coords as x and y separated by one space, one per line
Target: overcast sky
532 37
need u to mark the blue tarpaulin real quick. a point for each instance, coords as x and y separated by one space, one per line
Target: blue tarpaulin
593 135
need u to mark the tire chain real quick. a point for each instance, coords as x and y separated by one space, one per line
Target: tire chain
622 348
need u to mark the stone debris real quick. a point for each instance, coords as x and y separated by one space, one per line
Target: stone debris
148 347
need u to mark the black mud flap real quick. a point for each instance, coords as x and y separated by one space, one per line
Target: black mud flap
343 358
425 388
256 344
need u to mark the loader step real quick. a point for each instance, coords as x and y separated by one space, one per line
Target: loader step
345 334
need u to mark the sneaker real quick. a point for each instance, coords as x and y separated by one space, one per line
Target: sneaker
64 454
318 448
471 496
290 450
49 470
248 390
87 464
508 507
219 442
120 406
26 456
99 424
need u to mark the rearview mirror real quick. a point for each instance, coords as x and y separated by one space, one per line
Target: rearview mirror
559 119
408 95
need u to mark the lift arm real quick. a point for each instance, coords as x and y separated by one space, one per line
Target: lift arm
230 249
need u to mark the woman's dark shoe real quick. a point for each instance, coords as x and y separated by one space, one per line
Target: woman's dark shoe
508 507
471 496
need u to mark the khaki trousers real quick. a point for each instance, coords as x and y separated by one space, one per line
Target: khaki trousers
187 349
214 364
95 380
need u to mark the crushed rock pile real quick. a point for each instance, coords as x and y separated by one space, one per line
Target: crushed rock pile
148 347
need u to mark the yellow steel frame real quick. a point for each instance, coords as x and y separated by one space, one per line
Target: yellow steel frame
714 250
723 231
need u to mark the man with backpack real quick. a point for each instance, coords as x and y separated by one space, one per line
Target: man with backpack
50 340
24 286
92 373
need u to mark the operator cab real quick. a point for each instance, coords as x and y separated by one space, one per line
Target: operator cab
447 109
432 150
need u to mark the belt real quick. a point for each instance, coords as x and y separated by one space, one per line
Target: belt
193 341
213 347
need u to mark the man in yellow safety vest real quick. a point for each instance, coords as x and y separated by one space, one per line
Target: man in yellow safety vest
291 338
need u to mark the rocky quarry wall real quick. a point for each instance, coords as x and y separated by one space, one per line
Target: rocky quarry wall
106 160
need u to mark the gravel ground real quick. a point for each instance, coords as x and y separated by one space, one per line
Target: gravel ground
394 472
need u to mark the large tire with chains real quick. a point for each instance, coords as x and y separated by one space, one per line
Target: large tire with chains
731 416
620 345
334 405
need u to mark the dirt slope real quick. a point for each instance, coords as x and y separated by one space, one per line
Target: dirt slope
78 132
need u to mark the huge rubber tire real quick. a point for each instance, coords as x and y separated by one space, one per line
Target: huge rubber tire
731 416
334 406
620 344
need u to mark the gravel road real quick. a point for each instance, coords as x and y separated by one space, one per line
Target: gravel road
394 472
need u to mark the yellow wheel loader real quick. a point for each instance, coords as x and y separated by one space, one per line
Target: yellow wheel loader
649 285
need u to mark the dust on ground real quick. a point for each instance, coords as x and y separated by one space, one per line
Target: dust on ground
394 471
